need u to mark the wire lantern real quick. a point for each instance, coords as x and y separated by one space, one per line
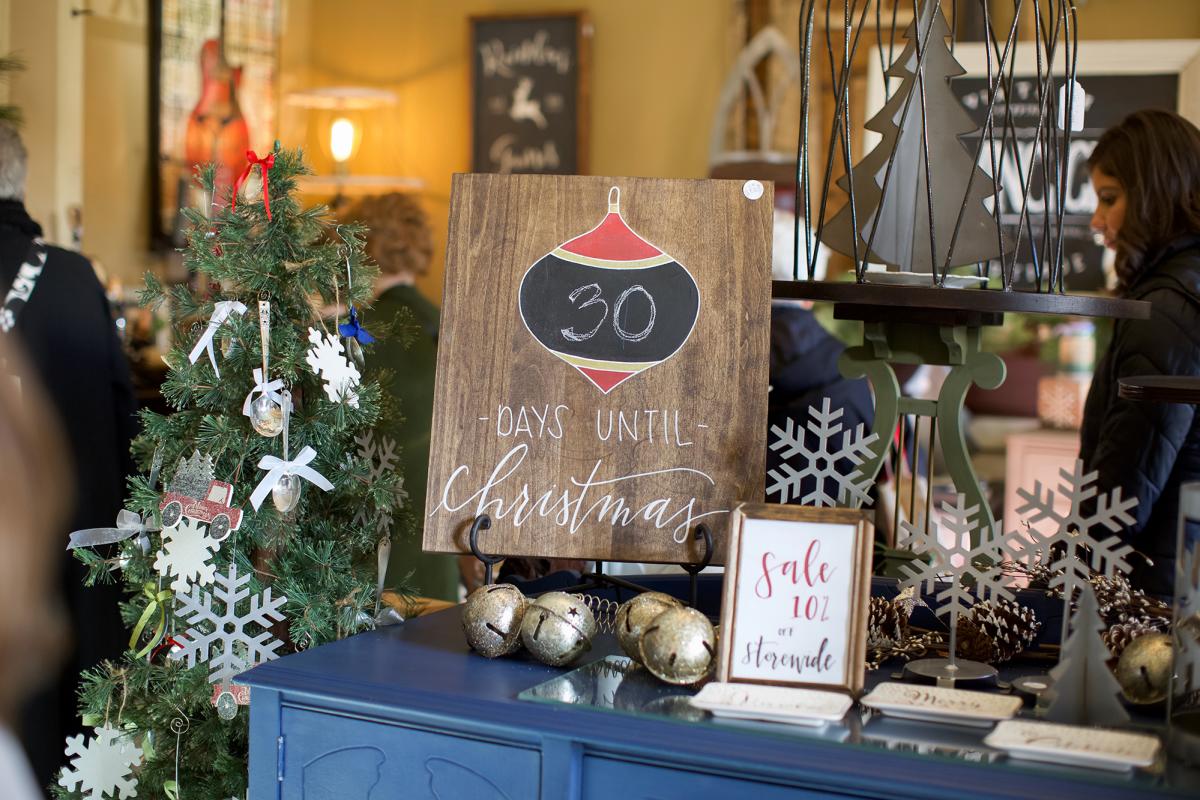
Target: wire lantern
925 201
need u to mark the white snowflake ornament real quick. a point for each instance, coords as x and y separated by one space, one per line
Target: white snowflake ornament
326 358
186 553
104 766
237 649
821 464
382 459
969 572
1072 545
1073 529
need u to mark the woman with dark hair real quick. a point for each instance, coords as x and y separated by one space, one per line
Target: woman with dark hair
1146 174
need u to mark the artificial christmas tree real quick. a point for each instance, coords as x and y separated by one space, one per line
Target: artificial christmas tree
309 558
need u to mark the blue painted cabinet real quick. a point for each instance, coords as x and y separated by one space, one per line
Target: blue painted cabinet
327 756
410 712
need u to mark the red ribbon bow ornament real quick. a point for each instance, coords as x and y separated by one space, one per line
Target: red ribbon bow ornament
266 163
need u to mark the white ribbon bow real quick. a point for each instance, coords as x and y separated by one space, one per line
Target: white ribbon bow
221 312
276 468
270 389
129 524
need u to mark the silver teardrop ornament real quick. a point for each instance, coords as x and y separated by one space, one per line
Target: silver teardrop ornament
285 494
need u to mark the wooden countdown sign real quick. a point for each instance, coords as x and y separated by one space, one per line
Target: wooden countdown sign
602 365
796 597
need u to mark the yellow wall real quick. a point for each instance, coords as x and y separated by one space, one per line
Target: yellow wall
1139 19
657 68
49 92
116 146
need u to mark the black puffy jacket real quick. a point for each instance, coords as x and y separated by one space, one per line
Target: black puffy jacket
1149 449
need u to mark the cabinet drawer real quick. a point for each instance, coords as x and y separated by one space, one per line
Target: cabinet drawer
608 778
335 757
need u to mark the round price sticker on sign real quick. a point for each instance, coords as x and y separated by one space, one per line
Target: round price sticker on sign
796 597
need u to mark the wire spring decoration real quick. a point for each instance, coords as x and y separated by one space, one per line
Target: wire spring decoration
604 610
179 726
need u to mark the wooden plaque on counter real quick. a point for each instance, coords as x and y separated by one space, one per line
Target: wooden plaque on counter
602 365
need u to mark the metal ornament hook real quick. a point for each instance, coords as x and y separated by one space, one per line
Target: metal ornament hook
483 522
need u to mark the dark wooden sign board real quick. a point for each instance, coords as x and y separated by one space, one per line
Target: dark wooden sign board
602 374
529 93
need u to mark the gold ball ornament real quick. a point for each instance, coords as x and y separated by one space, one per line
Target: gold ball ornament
1144 669
558 628
635 615
680 646
492 618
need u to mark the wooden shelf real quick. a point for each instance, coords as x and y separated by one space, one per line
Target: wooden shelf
1161 389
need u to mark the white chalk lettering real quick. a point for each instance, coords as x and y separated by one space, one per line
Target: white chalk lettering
568 506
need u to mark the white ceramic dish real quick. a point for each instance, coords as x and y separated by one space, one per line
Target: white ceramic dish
789 705
935 704
1074 745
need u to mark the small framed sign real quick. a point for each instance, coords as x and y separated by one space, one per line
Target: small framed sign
529 93
797 587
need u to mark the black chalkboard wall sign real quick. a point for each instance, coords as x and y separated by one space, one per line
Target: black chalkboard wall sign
529 93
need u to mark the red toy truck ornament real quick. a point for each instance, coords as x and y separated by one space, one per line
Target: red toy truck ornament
214 509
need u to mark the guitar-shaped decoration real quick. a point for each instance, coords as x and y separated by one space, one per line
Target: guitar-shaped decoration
216 129
609 303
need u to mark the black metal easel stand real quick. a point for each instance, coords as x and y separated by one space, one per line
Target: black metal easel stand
598 578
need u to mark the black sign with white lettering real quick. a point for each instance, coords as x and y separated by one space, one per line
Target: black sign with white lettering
528 94
1109 99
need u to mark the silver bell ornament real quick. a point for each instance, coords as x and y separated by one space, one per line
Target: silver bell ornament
492 617
680 646
266 416
558 628
635 615
285 494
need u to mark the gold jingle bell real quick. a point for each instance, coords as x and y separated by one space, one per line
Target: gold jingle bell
1144 669
680 646
492 618
558 628
635 615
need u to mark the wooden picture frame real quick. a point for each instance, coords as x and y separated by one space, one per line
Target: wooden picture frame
530 93
214 93
842 610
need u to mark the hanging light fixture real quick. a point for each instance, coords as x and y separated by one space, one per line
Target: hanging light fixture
343 116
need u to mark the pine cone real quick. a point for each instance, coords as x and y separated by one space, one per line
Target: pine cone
973 643
888 624
1121 603
1118 636
1007 627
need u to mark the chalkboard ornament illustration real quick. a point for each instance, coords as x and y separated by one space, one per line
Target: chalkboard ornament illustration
610 303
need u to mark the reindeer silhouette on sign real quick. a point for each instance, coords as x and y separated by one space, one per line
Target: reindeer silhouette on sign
525 108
